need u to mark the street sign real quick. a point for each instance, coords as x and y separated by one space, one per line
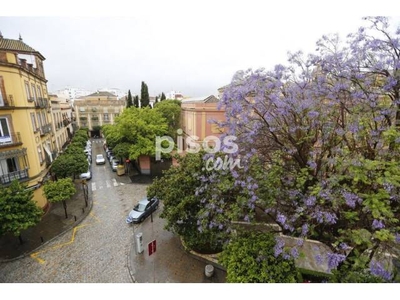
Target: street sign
152 247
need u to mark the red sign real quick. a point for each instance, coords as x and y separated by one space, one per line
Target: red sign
152 247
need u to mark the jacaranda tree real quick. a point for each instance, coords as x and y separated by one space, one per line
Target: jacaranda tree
324 134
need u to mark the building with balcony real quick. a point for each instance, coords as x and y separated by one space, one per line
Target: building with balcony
61 112
26 135
96 110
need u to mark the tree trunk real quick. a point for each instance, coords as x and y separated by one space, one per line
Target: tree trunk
65 208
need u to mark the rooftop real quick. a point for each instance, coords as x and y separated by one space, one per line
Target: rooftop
209 99
17 45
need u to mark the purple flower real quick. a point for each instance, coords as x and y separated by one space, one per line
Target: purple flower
378 270
278 248
330 217
247 218
378 224
304 229
310 201
334 260
294 252
312 164
351 199
343 246
397 238
319 260
281 218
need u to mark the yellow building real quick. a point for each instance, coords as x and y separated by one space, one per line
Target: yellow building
27 145
62 121
97 109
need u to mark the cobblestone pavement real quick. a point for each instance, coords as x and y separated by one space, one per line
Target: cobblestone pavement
95 250
101 248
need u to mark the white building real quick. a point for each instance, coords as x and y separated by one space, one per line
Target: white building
174 95
72 93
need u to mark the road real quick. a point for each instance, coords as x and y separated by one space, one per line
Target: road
96 250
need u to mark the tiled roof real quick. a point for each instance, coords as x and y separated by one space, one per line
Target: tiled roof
209 99
17 45
99 93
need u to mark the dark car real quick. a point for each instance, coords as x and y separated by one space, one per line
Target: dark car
142 210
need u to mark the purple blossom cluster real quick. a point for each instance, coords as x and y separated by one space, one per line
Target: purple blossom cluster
377 269
377 224
334 259
351 199
278 248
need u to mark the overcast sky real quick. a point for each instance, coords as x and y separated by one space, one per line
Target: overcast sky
190 46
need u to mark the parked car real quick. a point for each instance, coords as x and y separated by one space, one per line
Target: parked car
87 175
100 159
114 164
142 210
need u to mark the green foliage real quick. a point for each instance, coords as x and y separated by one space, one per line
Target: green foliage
182 207
121 150
129 101
162 98
144 96
70 164
249 258
136 101
79 140
60 190
17 210
171 111
138 128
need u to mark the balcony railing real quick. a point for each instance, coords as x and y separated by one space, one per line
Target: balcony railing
66 122
45 129
106 121
41 103
14 139
8 103
21 175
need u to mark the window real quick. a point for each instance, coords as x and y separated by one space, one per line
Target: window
40 154
39 92
4 131
28 91
39 119
34 124
2 92
34 92
105 117
81 109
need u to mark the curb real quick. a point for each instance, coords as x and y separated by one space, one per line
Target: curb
129 261
26 254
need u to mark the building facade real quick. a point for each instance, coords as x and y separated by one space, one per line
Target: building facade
61 111
198 116
27 145
96 110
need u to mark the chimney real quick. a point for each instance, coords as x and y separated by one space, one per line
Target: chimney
23 62
30 67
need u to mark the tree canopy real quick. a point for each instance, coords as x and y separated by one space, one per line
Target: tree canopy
129 101
324 134
144 95
60 190
171 111
250 258
17 209
139 128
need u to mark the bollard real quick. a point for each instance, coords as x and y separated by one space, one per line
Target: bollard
41 238
209 270
75 218
83 210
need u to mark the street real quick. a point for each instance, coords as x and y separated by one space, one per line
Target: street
94 251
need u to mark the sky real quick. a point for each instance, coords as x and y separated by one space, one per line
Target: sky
193 47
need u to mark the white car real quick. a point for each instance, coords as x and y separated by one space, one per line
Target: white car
87 175
100 159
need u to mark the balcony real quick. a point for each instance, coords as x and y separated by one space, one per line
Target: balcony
14 139
106 121
66 122
45 129
41 103
8 102
21 175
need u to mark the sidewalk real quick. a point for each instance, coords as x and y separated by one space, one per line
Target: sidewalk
52 225
170 263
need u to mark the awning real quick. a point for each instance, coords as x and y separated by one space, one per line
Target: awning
12 153
47 149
